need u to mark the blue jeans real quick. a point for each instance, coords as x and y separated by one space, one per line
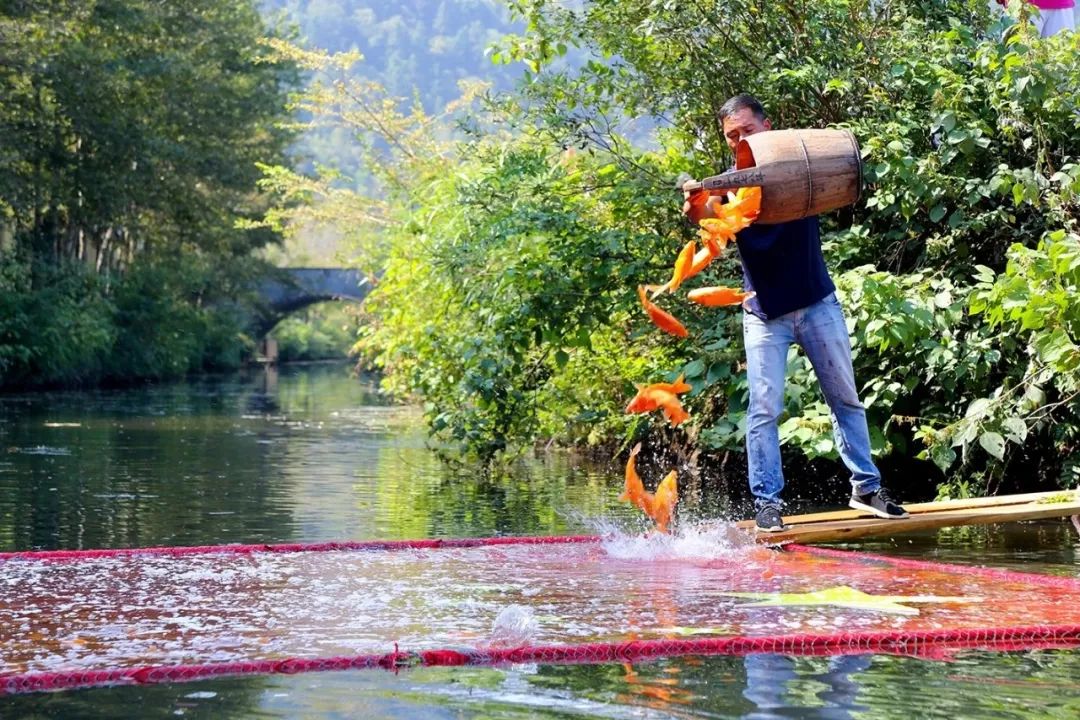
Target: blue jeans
821 332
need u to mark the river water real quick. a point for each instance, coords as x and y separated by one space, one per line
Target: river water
310 453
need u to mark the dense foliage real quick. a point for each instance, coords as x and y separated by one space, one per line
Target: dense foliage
129 135
510 260
322 332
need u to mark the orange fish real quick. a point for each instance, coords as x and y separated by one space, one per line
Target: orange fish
682 265
746 201
669 403
716 233
678 387
663 396
701 260
719 296
646 399
680 273
674 412
741 209
655 290
661 319
659 506
699 198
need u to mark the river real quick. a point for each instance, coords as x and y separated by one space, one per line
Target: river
311 453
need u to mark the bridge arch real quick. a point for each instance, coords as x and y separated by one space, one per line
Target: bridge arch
293 289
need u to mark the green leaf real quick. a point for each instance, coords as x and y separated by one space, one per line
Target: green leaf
694 369
993 443
1016 429
937 213
955 137
977 408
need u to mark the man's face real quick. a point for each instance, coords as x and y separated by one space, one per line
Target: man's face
743 123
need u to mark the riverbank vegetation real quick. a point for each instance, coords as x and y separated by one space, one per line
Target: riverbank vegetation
141 144
129 135
511 231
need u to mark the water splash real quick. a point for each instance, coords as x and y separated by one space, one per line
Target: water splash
515 625
708 541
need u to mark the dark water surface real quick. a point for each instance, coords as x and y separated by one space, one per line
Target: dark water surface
311 454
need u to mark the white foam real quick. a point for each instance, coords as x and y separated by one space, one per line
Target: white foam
705 541
515 625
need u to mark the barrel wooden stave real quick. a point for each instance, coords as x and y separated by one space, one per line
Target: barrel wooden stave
800 172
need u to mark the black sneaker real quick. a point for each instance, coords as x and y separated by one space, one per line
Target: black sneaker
768 519
879 503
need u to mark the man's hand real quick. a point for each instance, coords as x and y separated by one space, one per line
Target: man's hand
698 204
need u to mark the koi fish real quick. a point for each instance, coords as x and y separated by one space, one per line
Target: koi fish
699 199
661 319
719 296
663 396
682 264
659 506
701 260
664 501
678 387
738 213
652 398
674 412
680 273
716 233
646 399
746 201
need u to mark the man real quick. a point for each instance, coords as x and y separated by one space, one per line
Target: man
795 303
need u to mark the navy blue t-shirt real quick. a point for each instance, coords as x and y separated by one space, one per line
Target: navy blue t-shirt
783 264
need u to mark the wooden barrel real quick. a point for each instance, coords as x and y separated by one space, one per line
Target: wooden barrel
800 172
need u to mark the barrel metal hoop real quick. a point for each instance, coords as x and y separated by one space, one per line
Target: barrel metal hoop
858 164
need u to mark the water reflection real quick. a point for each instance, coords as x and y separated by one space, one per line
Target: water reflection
771 680
263 400
309 454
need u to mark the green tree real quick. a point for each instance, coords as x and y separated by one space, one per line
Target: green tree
131 132
510 256
969 144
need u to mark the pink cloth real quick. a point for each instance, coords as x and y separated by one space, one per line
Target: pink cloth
1047 4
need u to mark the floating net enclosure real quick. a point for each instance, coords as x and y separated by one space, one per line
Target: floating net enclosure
70 619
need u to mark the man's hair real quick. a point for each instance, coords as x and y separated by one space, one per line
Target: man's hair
741 102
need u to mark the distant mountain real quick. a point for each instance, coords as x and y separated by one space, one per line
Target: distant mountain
422 46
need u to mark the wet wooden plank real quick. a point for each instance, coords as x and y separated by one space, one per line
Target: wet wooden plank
917 508
949 513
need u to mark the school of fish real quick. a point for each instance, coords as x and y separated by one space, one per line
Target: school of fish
740 210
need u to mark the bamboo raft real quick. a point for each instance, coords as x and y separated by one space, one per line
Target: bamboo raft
841 525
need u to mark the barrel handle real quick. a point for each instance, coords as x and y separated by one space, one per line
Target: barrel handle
749 177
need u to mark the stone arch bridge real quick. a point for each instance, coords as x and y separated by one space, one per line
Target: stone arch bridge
292 289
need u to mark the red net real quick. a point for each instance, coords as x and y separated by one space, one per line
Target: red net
178 614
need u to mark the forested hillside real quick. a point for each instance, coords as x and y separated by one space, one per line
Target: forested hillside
421 46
